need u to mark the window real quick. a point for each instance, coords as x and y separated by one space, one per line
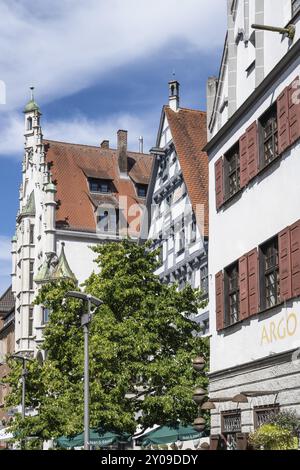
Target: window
269 264
263 414
231 426
29 124
193 231
99 186
269 136
232 171
295 6
31 234
161 255
30 322
104 222
46 315
232 294
31 273
142 190
204 280
181 239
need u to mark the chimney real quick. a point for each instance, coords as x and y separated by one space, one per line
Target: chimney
104 144
122 152
141 144
174 95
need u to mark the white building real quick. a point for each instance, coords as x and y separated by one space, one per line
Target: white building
178 197
72 197
254 255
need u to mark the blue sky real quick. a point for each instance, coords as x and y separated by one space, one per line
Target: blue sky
97 66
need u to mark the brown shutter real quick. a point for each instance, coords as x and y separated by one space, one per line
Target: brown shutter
214 442
283 121
285 274
219 177
295 258
253 150
244 161
294 110
220 301
253 282
244 293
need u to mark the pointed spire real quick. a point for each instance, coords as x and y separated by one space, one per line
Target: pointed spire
63 270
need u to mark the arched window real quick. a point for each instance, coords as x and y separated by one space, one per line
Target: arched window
29 124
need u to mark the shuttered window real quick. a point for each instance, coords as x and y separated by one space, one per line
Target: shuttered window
285 274
219 284
232 171
253 282
219 182
269 136
294 110
270 281
295 258
232 294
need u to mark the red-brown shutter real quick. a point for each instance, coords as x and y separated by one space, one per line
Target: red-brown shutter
244 293
244 161
253 283
283 121
294 110
214 441
253 151
295 258
220 301
285 273
219 177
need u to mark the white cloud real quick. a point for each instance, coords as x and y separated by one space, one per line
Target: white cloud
63 47
79 129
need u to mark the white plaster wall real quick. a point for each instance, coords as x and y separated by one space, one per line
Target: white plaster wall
271 203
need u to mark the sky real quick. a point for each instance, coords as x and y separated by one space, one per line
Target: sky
97 66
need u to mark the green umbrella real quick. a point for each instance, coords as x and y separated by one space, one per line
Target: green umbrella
169 435
97 438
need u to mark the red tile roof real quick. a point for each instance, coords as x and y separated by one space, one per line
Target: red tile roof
189 132
71 164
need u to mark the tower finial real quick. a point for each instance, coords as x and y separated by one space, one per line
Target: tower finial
31 93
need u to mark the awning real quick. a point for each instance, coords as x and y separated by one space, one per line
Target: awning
97 438
168 435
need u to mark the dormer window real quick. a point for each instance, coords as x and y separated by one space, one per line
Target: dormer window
99 186
141 190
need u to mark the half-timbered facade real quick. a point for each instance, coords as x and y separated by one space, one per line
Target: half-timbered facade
254 256
178 197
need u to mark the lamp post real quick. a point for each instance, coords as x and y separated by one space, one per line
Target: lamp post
85 321
23 360
199 395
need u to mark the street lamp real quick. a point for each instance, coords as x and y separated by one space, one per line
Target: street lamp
85 320
23 360
199 395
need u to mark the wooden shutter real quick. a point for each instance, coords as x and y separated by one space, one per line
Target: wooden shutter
294 110
219 301
283 121
295 258
219 181
253 153
244 292
253 284
285 274
214 442
244 161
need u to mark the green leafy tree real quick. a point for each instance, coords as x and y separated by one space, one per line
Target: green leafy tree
142 342
273 437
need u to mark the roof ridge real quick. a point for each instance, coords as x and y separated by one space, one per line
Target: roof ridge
187 109
6 292
95 147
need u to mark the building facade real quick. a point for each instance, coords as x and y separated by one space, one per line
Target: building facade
178 197
72 197
7 347
254 256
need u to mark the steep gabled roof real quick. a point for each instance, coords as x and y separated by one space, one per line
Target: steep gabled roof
7 302
71 165
188 129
